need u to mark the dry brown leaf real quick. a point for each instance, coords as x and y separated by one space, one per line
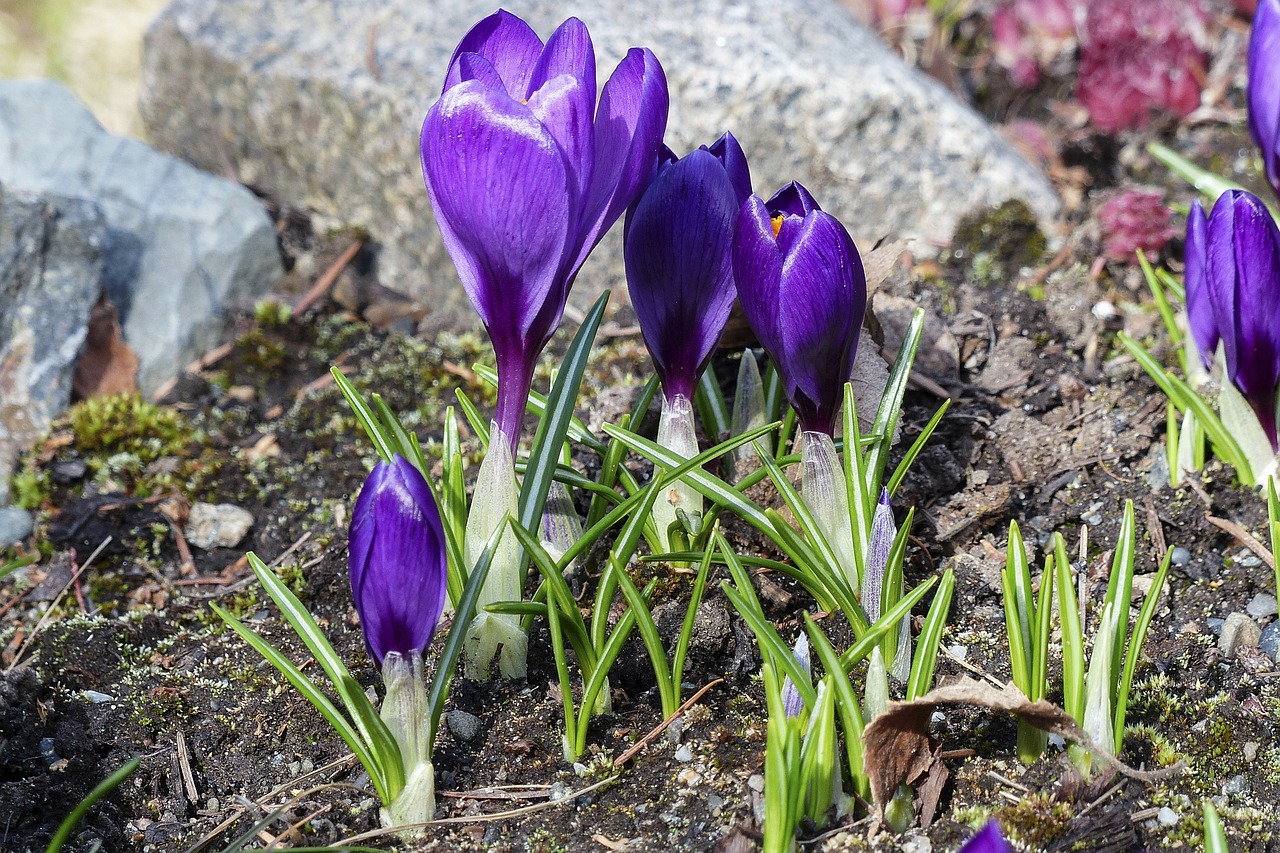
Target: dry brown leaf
897 747
106 364
880 261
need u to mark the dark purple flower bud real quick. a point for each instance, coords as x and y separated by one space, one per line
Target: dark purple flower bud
1243 277
679 236
1204 328
526 173
803 290
987 840
397 561
1264 87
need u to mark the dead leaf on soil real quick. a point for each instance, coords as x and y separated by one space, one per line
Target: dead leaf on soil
897 746
106 364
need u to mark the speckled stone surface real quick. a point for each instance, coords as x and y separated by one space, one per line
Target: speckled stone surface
320 103
181 244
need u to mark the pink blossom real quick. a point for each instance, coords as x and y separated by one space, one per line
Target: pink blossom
1132 220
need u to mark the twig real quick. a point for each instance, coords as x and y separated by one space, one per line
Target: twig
661 727
184 764
204 362
328 277
1244 537
486 818
44 617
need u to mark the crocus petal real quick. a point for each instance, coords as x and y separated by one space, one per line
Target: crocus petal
498 184
821 301
1264 87
631 119
987 840
564 105
397 560
508 43
677 251
1244 286
568 51
757 270
1204 328
473 66
727 150
793 200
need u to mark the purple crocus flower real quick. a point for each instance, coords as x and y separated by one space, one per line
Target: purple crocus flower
803 290
679 236
397 561
792 701
987 840
1204 328
526 173
1243 282
1264 87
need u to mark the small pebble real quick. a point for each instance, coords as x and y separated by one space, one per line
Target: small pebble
756 783
1180 556
1262 606
15 525
917 845
1167 817
214 805
690 777
1251 751
684 754
558 791
1238 630
1236 786
715 802
1215 624
217 525
959 652
463 725
1269 642
98 698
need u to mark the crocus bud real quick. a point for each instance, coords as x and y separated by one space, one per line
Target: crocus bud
397 561
1264 87
792 701
883 532
1242 277
1200 319
398 580
804 293
526 172
987 840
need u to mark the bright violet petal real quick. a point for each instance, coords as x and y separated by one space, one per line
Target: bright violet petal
508 43
564 105
727 150
821 302
568 51
678 242
473 66
497 182
757 271
398 561
987 840
630 122
1264 87
793 200
1204 328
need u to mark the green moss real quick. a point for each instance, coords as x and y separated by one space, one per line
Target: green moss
270 313
30 487
997 242
126 423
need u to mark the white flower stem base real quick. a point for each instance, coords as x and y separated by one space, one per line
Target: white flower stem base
822 486
407 716
676 433
496 496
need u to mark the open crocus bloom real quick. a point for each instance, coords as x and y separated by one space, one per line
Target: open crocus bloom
526 173
398 567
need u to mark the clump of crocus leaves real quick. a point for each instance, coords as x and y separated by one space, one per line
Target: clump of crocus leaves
526 170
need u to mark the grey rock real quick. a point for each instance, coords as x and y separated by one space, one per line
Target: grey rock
51 254
1238 630
464 726
320 103
1180 556
1269 641
217 525
15 525
1261 606
180 245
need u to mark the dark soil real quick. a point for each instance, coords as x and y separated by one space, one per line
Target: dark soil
1051 424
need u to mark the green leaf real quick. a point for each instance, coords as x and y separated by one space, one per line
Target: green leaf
478 424
383 443
847 706
1135 646
711 405
927 647
1072 632
553 426
773 648
690 616
1215 837
537 406
373 731
1120 589
890 411
1209 184
106 786
909 459
313 694
1015 582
